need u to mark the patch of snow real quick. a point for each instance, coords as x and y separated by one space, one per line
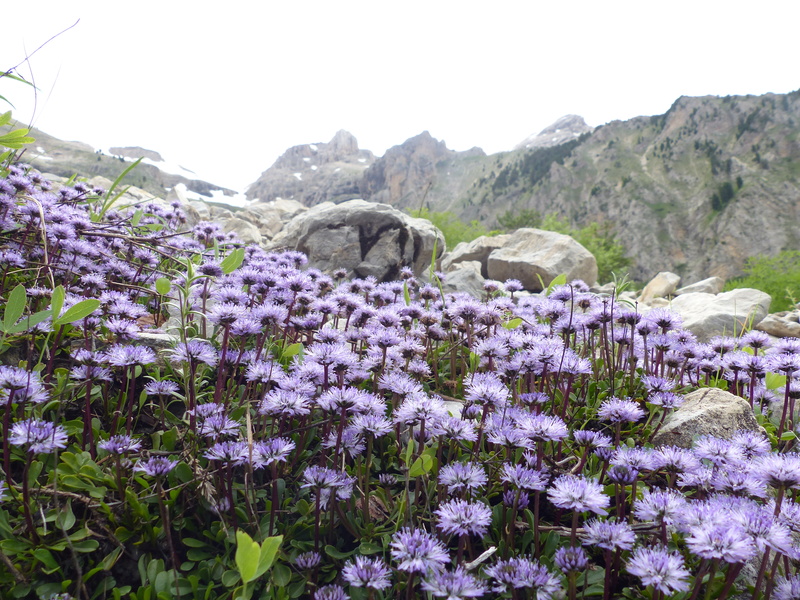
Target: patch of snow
40 150
313 167
555 138
313 147
164 166
362 160
337 169
218 196
299 176
306 159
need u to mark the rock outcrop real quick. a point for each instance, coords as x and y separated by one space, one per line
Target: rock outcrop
365 238
315 173
729 313
565 129
707 411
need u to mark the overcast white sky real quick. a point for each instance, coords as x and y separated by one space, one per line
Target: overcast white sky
224 88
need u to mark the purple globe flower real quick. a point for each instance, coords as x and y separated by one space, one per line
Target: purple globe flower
156 466
416 550
609 535
331 592
459 517
120 444
462 476
618 410
729 542
524 572
453 585
367 572
660 568
41 437
575 492
571 559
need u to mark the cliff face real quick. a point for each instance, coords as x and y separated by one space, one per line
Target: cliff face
315 173
695 191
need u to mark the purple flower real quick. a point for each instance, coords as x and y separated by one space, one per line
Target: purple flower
787 588
659 505
416 550
728 542
777 470
610 535
194 351
367 572
164 387
308 560
578 493
41 436
459 517
25 385
618 410
271 451
233 452
120 444
660 568
155 466
462 476
121 355
523 477
524 572
571 559
453 585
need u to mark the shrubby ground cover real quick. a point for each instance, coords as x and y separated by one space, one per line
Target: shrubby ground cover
305 435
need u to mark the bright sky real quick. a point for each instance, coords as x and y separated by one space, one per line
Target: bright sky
224 88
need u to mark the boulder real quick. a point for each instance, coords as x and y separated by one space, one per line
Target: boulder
708 411
662 285
465 277
535 257
711 285
365 238
244 230
478 249
730 313
783 324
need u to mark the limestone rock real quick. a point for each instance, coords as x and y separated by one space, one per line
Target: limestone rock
707 315
244 230
566 129
315 173
365 238
478 249
781 325
708 411
711 285
662 285
531 254
465 277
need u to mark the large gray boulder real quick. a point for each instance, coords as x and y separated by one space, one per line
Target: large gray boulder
478 250
365 238
730 313
465 277
708 411
535 257
782 324
710 285
662 285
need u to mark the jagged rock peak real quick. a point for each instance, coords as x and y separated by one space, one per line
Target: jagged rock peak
565 129
341 146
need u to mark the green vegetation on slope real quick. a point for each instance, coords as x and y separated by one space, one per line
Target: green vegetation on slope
779 276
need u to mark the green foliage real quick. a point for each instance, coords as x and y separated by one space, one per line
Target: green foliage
600 240
454 229
511 220
723 196
778 276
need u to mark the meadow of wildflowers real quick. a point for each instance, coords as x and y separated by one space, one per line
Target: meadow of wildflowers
287 433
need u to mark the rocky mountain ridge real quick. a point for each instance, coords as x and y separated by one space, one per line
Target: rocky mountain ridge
694 191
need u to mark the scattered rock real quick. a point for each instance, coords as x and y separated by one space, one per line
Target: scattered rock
535 257
711 285
708 411
465 277
662 285
365 238
478 249
783 324
244 230
730 313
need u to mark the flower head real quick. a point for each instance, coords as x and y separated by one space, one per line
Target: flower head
578 493
416 550
459 517
453 585
155 466
41 436
367 572
660 568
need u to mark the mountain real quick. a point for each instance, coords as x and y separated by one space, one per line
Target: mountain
695 191
49 154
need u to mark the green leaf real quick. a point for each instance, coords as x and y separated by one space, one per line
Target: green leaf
248 554
5 118
14 307
57 301
163 286
233 261
774 381
513 323
30 322
788 435
269 549
137 216
421 466
292 350
560 280
282 575
338 555
79 311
